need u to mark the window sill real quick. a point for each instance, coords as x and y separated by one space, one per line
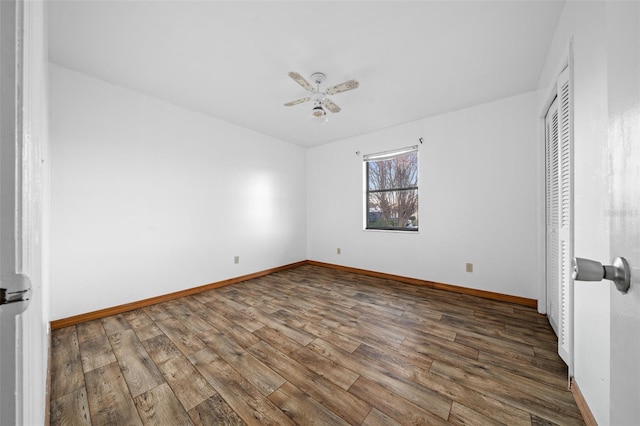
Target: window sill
392 231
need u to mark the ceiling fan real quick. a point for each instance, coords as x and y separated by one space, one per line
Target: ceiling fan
320 97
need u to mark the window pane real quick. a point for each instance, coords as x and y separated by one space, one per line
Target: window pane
393 210
395 173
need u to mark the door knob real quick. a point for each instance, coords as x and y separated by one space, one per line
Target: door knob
590 270
14 298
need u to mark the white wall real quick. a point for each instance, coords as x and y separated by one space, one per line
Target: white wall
478 200
584 22
148 198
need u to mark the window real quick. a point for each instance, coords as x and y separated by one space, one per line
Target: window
392 190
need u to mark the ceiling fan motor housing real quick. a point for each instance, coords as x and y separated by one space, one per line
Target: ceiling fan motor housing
318 77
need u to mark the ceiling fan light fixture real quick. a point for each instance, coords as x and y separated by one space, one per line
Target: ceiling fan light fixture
318 114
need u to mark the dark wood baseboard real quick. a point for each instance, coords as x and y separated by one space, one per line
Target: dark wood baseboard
47 412
587 415
77 319
532 303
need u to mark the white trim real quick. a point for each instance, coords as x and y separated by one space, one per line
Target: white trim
565 61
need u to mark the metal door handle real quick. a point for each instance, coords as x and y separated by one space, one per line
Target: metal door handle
12 296
590 270
19 291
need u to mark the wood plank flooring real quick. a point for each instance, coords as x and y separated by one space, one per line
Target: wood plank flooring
313 345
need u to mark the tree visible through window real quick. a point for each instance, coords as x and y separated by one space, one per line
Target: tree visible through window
392 190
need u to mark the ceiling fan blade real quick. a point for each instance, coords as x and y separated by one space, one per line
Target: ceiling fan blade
301 81
343 87
297 101
328 103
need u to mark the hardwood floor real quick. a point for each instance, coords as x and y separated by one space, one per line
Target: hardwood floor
313 345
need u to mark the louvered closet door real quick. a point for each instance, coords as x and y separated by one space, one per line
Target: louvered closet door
559 218
552 216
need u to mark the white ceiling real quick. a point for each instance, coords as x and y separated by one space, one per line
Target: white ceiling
230 59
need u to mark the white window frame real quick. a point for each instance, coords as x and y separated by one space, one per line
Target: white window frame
388 155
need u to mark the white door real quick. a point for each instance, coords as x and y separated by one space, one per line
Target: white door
10 206
559 217
23 324
10 342
623 49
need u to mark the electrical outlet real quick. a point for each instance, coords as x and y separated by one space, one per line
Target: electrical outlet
338 250
469 267
236 259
